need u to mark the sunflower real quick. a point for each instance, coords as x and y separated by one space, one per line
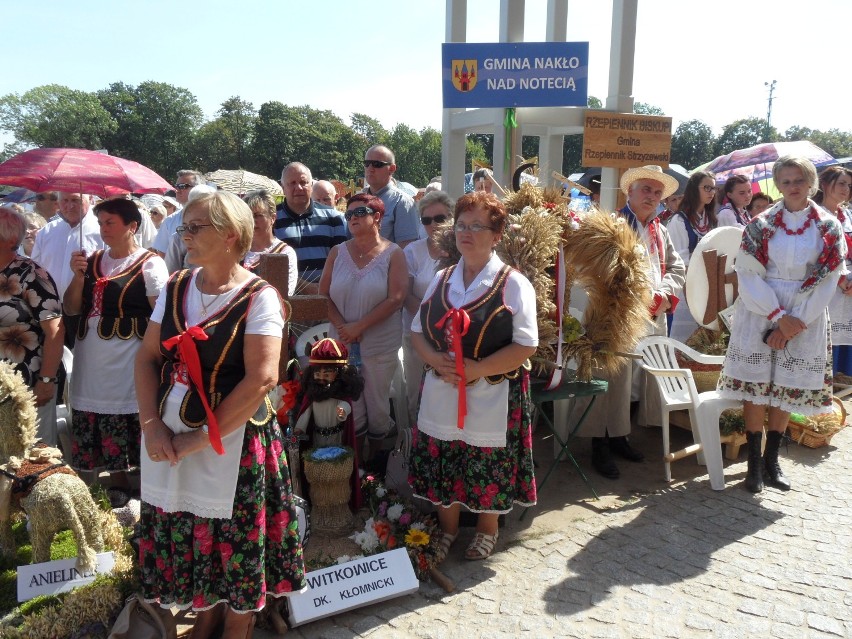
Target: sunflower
416 537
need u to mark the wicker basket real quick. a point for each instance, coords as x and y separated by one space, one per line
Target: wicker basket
801 434
705 375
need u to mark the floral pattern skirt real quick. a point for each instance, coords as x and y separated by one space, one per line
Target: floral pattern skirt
108 441
483 479
790 400
186 560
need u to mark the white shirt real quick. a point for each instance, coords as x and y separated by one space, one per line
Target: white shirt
103 385
166 230
487 404
57 240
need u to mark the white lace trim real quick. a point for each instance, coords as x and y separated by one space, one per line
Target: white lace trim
172 503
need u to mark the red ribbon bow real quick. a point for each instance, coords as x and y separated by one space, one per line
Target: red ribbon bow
459 323
187 353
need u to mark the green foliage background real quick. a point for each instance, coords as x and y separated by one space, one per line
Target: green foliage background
163 127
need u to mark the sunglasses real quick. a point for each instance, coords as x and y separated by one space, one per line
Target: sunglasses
41 198
376 164
361 211
425 220
183 186
190 228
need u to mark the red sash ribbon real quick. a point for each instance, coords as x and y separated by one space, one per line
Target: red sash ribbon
187 352
457 322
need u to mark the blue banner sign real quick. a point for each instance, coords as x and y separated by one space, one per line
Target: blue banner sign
515 74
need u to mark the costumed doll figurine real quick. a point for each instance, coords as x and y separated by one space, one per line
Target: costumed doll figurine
330 385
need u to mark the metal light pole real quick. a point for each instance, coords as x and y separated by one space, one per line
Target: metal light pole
769 108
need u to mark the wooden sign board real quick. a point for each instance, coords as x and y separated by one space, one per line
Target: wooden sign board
625 140
52 577
357 583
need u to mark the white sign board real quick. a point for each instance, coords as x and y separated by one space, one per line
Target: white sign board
52 577
354 584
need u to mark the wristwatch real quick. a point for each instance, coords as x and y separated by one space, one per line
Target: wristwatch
47 380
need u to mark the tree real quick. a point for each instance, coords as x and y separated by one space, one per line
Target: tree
835 142
237 117
743 134
692 144
369 129
644 108
56 116
156 124
213 148
318 139
796 133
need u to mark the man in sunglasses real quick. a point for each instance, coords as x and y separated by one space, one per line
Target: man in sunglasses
400 223
186 179
307 225
47 205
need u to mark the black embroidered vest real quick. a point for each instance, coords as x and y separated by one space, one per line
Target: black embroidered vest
221 355
490 321
124 308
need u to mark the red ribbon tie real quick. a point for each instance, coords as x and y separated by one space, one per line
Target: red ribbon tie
187 352
459 323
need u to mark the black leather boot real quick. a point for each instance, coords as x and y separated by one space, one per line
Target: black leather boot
772 470
754 477
602 458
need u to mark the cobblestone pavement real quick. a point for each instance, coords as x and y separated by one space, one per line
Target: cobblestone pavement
649 559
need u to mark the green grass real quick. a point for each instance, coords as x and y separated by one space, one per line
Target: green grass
63 547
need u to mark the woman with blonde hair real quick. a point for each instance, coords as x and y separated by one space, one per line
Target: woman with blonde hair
779 355
219 528
262 206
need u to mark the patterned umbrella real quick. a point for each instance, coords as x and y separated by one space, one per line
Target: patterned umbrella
79 171
241 182
756 161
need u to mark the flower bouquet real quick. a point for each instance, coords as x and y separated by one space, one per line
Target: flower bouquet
397 523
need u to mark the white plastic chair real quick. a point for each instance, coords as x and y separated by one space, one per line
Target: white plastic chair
678 392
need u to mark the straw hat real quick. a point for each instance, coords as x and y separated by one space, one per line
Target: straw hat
651 172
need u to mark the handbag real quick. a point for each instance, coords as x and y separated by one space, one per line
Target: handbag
396 475
140 620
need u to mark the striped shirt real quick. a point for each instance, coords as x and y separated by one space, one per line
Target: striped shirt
311 235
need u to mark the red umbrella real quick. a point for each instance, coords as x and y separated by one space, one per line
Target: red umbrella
79 171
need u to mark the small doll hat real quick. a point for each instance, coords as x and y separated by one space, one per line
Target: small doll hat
329 352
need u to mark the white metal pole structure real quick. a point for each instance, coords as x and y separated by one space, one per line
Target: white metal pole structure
551 124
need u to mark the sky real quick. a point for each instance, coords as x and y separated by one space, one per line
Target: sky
705 61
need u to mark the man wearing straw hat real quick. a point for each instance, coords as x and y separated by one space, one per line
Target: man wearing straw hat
608 423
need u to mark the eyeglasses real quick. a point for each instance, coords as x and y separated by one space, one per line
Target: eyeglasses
41 197
708 188
476 227
183 186
361 211
376 164
425 220
190 228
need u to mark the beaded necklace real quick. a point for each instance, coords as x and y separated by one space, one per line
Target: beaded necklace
779 221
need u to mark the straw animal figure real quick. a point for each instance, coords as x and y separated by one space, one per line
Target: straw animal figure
34 479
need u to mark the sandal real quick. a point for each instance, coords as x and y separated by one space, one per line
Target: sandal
444 544
481 547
